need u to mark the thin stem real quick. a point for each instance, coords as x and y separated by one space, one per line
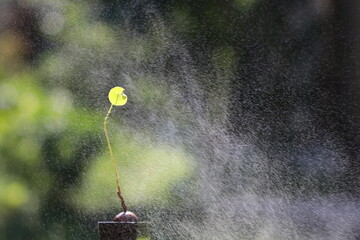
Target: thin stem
113 161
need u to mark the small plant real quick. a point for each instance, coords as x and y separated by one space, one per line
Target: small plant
118 98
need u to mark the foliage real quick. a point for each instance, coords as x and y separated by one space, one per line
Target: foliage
192 69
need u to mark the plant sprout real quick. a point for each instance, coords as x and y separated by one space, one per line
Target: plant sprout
118 98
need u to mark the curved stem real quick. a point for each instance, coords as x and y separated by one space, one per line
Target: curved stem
113 161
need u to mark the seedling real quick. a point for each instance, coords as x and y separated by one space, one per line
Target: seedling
118 98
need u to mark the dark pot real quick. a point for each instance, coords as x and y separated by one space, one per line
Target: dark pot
123 231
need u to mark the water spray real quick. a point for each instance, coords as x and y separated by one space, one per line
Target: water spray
118 98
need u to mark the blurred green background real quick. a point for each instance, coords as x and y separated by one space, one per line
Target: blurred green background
256 68
56 178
